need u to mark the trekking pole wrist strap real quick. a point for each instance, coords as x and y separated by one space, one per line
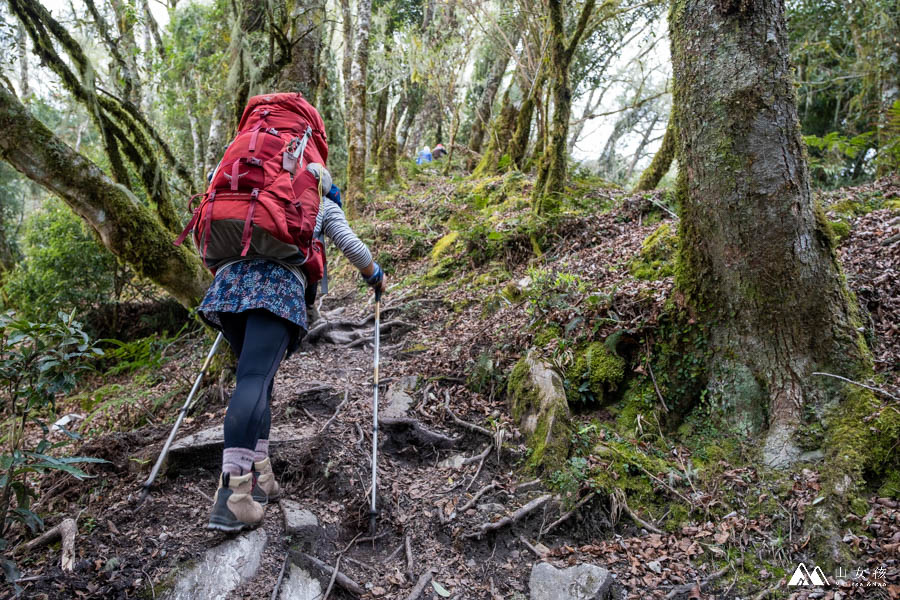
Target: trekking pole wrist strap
376 276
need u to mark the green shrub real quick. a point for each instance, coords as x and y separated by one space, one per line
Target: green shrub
38 361
64 267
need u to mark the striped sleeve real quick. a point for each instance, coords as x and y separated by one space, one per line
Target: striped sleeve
332 222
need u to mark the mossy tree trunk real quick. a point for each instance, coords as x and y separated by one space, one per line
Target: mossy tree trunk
552 173
123 224
387 149
661 162
356 121
518 143
302 73
486 102
501 131
755 258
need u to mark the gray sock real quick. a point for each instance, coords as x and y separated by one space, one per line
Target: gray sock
262 450
237 461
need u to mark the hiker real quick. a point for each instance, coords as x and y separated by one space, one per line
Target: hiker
438 151
424 156
264 260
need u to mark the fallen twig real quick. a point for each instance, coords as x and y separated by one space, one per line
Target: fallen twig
489 487
653 379
518 515
767 591
863 385
622 505
653 477
424 580
287 558
528 545
568 514
341 579
334 573
337 410
409 558
66 531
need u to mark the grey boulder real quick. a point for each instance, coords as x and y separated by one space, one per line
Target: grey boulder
581 582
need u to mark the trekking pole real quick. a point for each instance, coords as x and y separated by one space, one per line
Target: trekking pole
373 513
181 414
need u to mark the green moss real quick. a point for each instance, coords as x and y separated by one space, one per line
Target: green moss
891 486
626 469
548 444
656 259
639 399
595 372
841 230
861 439
443 245
440 271
547 334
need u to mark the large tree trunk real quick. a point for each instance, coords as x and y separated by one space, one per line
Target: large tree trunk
347 64
501 131
552 174
756 260
387 149
302 73
356 123
124 225
483 110
661 162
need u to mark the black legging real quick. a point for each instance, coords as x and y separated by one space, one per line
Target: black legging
260 340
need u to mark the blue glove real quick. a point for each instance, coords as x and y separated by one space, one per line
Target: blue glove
334 194
375 278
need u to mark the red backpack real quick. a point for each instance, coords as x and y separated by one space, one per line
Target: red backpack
263 198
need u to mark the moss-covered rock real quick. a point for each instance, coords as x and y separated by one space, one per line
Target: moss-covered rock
537 403
443 245
597 370
657 257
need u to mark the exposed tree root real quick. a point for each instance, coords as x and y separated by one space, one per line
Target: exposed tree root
518 515
65 531
424 580
568 514
354 333
341 579
406 430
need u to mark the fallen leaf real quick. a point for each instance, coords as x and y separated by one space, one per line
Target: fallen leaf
441 590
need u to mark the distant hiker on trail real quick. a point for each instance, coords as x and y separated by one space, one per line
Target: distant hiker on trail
438 151
424 156
259 228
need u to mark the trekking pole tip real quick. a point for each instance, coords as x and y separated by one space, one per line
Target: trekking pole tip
373 518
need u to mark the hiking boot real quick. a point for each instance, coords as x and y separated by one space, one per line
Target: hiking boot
235 508
265 486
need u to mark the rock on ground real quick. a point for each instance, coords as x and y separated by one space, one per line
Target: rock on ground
581 582
300 585
398 399
539 407
205 446
222 569
300 522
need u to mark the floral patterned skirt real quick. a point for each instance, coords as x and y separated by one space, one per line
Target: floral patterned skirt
256 284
